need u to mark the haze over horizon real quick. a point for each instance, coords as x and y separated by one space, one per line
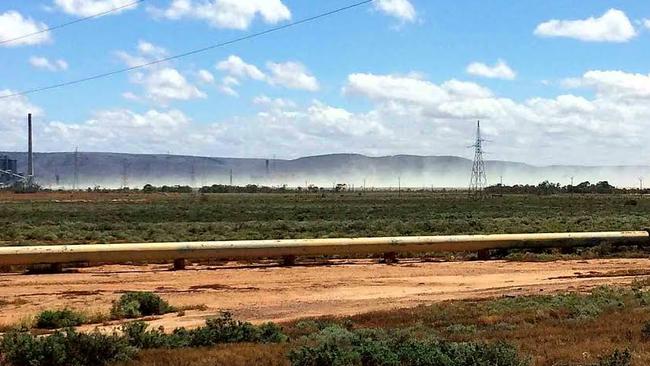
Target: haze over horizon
393 77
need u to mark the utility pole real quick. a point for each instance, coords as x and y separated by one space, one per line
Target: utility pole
231 177
641 183
571 181
399 186
478 180
192 176
75 179
125 173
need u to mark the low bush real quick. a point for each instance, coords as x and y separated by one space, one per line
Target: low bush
138 304
617 358
53 319
371 347
63 348
645 331
223 329
72 348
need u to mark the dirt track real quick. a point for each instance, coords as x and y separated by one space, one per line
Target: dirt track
262 292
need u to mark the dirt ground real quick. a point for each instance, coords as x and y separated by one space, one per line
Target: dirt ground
265 292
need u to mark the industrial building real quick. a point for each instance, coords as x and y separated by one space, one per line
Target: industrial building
9 174
8 171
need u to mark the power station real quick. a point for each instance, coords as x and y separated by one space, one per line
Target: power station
9 173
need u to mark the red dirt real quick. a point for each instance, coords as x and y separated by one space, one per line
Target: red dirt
269 293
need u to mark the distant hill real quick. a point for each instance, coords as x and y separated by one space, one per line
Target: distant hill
107 170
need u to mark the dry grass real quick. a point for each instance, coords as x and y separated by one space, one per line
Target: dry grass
224 355
567 330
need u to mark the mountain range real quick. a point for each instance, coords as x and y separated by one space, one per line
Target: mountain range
57 170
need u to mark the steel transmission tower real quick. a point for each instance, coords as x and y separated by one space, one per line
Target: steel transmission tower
478 181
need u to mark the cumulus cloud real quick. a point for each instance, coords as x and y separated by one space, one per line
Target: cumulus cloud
400 9
13 117
14 25
281 103
205 76
500 70
613 83
162 83
613 26
582 128
84 8
131 131
165 84
45 63
228 85
406 114
237 67
292 75
146 52
229 14
646 23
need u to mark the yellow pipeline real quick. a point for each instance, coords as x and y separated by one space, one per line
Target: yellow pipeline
119 253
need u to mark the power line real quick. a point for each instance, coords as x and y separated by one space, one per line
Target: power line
71 22
189 53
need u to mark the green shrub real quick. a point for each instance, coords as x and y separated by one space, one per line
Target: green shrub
645 331
617 358
63 348
223 329
71 348
138 336
139 304
369 347
53 319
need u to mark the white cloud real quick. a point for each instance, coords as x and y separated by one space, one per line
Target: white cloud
162 83
613 26
227 86
147 52
131 131
205 76
290 74
13 120
293 75
14 25
229 14
397 88
166 84
84 8
237 67
646 23
280 103
45 64
579 127
613 84
131 96
500 70
400 9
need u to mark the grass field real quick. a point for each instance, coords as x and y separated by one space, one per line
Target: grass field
95 218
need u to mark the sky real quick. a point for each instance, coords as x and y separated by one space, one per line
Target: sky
552 82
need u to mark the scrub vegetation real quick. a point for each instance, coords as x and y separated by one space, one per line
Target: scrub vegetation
608 326
56 218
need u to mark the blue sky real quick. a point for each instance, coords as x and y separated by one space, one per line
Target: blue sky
391 77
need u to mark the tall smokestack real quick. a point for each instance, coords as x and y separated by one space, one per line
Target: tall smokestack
30 153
